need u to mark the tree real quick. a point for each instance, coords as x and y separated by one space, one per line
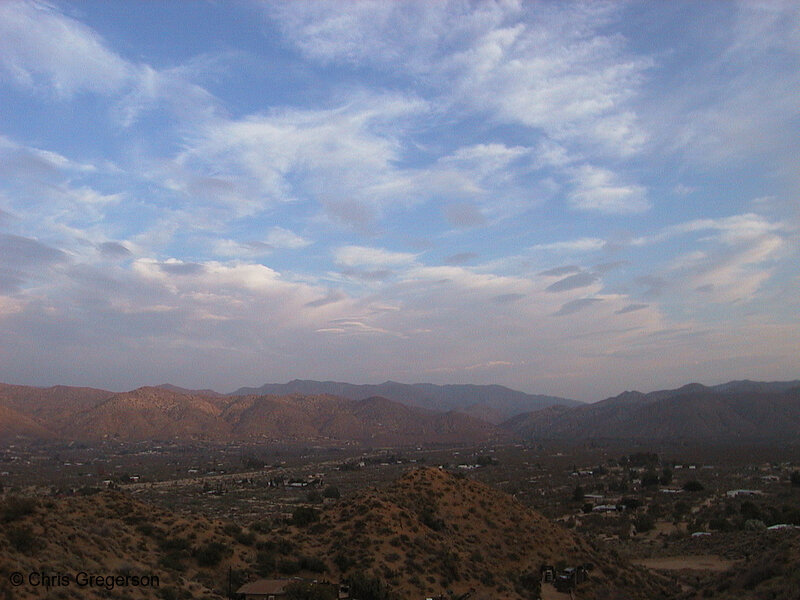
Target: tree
578 494
666 476
795 478
693 486
332 492
304 515
650 479
644 523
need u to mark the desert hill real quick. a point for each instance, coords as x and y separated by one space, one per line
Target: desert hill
156 413
14 423
492 403
52 404
373 420
182 390
738 410
427 533
431 532
111 534
149 413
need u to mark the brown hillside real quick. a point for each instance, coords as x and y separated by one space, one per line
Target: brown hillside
14 423
282 417
427 533
691 412
163 413
111 534
431 532
150 413
50 406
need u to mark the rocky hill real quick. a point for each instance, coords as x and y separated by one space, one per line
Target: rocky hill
431 532
428 533
492 403
735 411
109 534
50 405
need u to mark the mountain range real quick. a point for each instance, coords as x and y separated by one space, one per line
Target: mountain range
300 411
492 403
158 413
731 411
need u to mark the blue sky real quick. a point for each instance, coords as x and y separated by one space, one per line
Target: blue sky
566 198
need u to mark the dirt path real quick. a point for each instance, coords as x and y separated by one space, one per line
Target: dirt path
550 593
707 562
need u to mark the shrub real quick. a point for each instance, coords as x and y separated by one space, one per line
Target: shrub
172 561
304 590
343 562
366 587
530 584
304 515
265 563
693 486
644 523
15 508
650 479
429 519
331 492
212 553
719 524
168 544
22 539
288 566
168 593
246 539
313 564
261 526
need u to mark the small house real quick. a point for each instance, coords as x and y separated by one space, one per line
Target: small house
263 589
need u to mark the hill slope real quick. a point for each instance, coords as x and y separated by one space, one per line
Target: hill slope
739 410
493 403
157 413
427 533
431 531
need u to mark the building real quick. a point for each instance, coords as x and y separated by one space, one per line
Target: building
275 589
737 493
263 589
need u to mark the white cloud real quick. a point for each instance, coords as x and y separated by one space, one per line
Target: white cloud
585 244
353 256
546 67
599 190
730 230
278 237
334 155
43 50
41 47
737 105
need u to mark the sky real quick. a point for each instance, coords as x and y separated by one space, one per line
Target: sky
565 198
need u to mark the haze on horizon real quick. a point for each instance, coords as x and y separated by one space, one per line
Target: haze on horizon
565 198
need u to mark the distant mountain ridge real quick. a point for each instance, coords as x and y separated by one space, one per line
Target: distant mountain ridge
161 413
492 403
730 411
736 410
